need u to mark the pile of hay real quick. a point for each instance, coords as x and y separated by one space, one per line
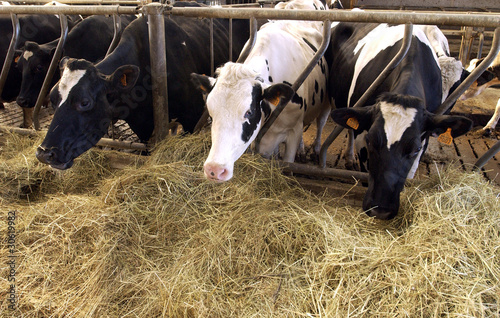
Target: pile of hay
158 240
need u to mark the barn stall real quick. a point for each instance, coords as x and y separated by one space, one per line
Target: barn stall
125 235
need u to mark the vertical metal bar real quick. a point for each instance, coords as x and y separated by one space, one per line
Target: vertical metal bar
212 57
383 75
481 44
52 68
473 76
231 39
327 30
250 43
156 30
117 23
10 53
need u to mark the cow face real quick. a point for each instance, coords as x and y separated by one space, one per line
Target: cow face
83 112
238 102
33 63
396 128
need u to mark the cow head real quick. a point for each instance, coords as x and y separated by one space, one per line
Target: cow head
83 112
33 63
396 127
238 102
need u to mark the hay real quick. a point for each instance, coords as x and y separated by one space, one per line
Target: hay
158 240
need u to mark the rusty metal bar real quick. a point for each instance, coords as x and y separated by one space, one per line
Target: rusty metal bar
50 72
362 100
69 10
117 24
392 16
251 41
156 29
473 76
327 31
10 53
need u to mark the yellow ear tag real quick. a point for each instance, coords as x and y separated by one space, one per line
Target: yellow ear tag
353 123
17 58
275 101
123 80
446 137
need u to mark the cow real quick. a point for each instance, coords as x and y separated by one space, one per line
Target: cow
243 95
490 77
89 40
393 126
90 96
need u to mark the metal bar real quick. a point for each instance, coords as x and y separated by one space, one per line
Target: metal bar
91 2
212 55
322 172
10 53
480 45
393 16
117 24
251 41
473 76
69 10
327 31
50 72
362 100
156 29
487 156
230 39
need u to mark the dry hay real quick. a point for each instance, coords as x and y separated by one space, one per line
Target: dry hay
158 240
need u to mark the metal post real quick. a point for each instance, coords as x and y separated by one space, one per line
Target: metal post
251 41
473 76
10 53
361 101
212 55
117 23
327 30
52 68
156 29
230 39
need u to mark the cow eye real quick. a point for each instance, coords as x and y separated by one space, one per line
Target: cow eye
84 105
248 114
414 153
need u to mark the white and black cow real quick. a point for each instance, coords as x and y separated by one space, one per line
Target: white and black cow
88 97
39 28
244 94
89 40
395 123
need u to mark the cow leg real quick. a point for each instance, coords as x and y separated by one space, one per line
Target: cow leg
27 118
493 121
320 124
350 160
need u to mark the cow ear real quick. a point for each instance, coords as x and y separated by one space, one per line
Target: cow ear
359 118
203 83
447 126
63 62
278 93
124 78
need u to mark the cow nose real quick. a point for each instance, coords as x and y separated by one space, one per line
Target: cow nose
45 155
381 213
216 172
23 102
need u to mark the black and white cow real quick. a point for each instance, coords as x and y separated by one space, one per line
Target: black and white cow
39 28
89 97
394 125
244 94
89 40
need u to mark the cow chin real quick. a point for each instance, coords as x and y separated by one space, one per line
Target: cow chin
63 166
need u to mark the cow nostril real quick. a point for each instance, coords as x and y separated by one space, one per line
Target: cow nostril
212 173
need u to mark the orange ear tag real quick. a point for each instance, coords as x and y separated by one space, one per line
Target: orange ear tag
353 123
203 88
123 80
275 101
446 137
17 59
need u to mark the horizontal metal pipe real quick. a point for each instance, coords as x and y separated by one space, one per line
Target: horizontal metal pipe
322 172
117 2
104 142
69 10
391 16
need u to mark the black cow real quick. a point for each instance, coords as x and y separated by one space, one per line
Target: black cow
392 132
89 97
39 28
89 40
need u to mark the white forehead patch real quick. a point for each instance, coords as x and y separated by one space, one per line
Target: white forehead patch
396 120
27 55
68 80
